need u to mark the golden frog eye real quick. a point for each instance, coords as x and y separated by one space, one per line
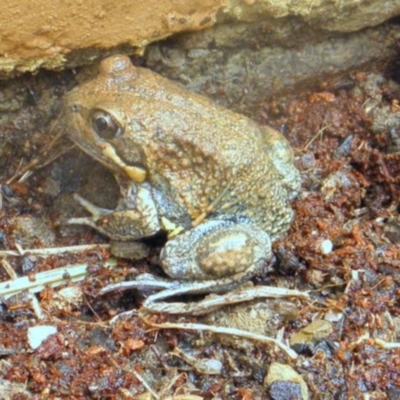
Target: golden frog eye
105 125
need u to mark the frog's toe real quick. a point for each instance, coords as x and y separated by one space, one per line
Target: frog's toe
224 251
96 212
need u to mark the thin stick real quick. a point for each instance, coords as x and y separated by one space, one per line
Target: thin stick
54 277
319 133
226 331
51 250
145 384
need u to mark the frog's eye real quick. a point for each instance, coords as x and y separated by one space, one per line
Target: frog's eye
105 125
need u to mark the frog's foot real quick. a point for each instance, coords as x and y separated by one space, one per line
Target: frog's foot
244 293
216 255
128 222
97 213
155 304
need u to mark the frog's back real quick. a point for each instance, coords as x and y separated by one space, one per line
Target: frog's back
215 159
206 159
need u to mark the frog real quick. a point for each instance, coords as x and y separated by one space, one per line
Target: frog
216 182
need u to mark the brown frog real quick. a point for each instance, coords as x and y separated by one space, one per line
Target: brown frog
218 183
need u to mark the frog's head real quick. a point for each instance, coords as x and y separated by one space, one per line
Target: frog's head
96 118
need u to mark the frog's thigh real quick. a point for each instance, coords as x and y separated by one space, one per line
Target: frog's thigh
216 249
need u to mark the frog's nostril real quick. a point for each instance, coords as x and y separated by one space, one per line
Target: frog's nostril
115 65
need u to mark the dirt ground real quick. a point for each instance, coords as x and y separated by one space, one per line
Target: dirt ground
343 248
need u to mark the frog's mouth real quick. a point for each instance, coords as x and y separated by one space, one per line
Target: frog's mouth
85 137
136 174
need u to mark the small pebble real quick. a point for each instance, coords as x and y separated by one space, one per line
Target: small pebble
38 334
333 316
28 264
209 367
284 383
326 246
7 190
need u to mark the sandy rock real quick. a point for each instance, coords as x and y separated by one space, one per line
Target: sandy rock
311 334
285 383
42 33
54 35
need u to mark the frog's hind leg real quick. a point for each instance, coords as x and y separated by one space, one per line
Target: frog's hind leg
216 255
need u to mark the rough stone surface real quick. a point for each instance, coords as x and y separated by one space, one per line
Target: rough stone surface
42 33
237 66
334 15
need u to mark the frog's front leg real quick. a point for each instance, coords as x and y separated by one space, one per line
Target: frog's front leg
134 218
